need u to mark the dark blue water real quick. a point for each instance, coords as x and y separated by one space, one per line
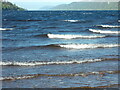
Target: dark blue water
60 49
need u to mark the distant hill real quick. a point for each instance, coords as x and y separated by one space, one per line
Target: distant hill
10 6
46 8
88 6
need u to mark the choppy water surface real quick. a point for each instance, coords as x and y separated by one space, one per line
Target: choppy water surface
60 49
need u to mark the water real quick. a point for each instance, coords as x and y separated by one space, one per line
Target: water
60 49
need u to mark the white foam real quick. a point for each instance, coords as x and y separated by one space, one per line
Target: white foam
63 36
48 63
6 28
109 26
88 46
72 74
71 20
104 31
16 78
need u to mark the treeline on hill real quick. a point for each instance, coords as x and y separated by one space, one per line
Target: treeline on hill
9 6
88 6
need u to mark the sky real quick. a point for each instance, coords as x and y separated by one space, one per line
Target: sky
40 4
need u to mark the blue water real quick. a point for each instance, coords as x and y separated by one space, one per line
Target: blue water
27 49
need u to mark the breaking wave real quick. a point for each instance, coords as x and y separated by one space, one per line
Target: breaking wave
82 74
63 36
69 46
36 63
88 46
6 29
109 26
104 31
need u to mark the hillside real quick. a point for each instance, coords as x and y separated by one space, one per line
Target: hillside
88 6
10 6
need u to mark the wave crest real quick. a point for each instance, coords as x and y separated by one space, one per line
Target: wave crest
63 36
105 32
109 26
71 20
88 46
36 63
6 28
82 74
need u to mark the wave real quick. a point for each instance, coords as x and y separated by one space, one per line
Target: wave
88 46
69 31
16 78
24 20
41 35
109 26
105 32
88 13
6 28
63 36
50 27
71 20
68 46
30 47
82 74
37 63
